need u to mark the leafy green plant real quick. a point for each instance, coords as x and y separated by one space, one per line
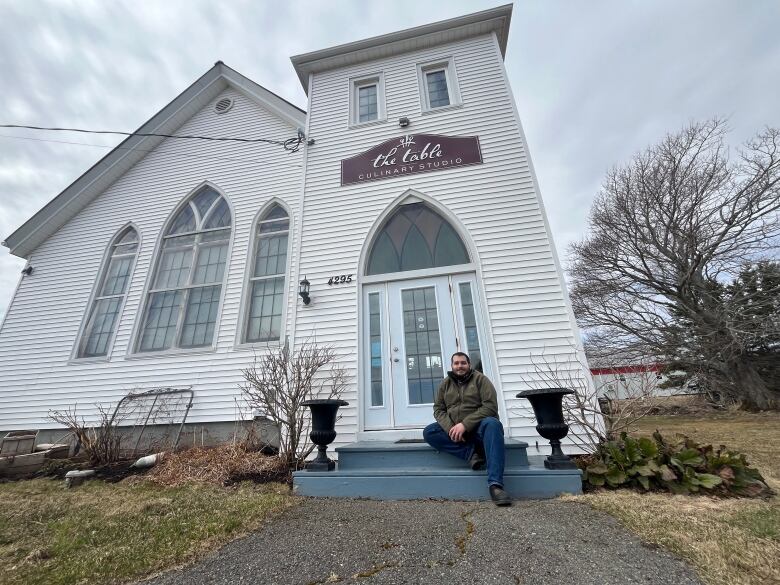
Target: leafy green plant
680 466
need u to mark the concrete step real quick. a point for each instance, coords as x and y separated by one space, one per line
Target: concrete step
449 484
381 455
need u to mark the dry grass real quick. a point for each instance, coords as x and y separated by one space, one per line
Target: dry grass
756 434
729 541
222 466
112 533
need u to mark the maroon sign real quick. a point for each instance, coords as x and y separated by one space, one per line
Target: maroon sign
413 153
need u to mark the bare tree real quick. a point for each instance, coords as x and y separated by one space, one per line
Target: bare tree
667 233
279 382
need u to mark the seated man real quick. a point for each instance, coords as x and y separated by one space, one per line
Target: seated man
467 425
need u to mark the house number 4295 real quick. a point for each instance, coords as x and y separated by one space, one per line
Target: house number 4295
339 279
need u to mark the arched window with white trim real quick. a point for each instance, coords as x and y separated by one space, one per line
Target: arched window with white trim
183 301
109 298
267 277
415 237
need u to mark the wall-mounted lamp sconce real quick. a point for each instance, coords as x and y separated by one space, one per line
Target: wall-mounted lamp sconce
27 270
303 291
403 122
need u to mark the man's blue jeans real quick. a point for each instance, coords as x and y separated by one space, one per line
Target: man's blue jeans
489 435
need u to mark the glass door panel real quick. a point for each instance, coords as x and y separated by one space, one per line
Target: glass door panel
469 322
376 357
422 337
375 349
422 344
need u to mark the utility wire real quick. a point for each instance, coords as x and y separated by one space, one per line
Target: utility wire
291 144
128 148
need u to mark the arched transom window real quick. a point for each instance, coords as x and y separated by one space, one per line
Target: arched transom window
415 237
266 303
112 286
181 310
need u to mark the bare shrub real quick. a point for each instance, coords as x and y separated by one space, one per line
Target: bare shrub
223 465
279 382
589 424
102 441
252 433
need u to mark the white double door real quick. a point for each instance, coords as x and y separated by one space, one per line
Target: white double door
410 330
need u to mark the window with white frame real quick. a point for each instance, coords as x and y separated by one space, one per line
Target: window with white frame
183 300
267 277
367 100
110 295
438 85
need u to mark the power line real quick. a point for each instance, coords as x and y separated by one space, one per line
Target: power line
291 144
128 148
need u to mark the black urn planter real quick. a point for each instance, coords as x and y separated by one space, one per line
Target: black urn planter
323 430
548 409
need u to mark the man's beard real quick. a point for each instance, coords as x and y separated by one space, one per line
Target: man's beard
462 377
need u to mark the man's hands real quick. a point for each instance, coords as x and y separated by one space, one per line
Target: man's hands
457 432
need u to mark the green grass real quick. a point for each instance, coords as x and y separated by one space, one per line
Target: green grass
762 522
111 533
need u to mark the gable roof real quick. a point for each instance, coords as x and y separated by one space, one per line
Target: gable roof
420 37
112 166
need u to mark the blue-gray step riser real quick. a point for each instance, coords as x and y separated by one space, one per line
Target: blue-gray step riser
446 485
420 460
427 458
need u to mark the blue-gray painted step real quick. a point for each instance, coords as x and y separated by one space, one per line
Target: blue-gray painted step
448 484
409 471
378 455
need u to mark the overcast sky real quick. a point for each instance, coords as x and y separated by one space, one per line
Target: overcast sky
595 81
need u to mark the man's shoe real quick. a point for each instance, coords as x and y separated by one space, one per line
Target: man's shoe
476 461
499 496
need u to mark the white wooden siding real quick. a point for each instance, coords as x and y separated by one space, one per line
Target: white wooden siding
498 202
39 332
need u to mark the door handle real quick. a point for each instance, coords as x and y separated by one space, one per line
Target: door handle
396 360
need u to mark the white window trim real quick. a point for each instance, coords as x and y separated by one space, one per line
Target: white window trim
446 64
95 295
134 348
355 84
241 331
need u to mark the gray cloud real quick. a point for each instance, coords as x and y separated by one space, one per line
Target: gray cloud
594 81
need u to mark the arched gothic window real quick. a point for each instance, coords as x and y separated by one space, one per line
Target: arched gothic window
415 237
266 304
181 310
107 304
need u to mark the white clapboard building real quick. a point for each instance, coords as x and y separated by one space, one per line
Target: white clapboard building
411 208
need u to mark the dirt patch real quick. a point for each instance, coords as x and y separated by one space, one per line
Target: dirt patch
112 473
222 466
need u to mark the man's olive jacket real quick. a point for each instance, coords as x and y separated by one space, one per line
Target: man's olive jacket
466 403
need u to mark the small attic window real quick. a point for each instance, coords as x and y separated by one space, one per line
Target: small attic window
223 105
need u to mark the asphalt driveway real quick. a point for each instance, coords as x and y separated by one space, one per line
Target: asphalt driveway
348 541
